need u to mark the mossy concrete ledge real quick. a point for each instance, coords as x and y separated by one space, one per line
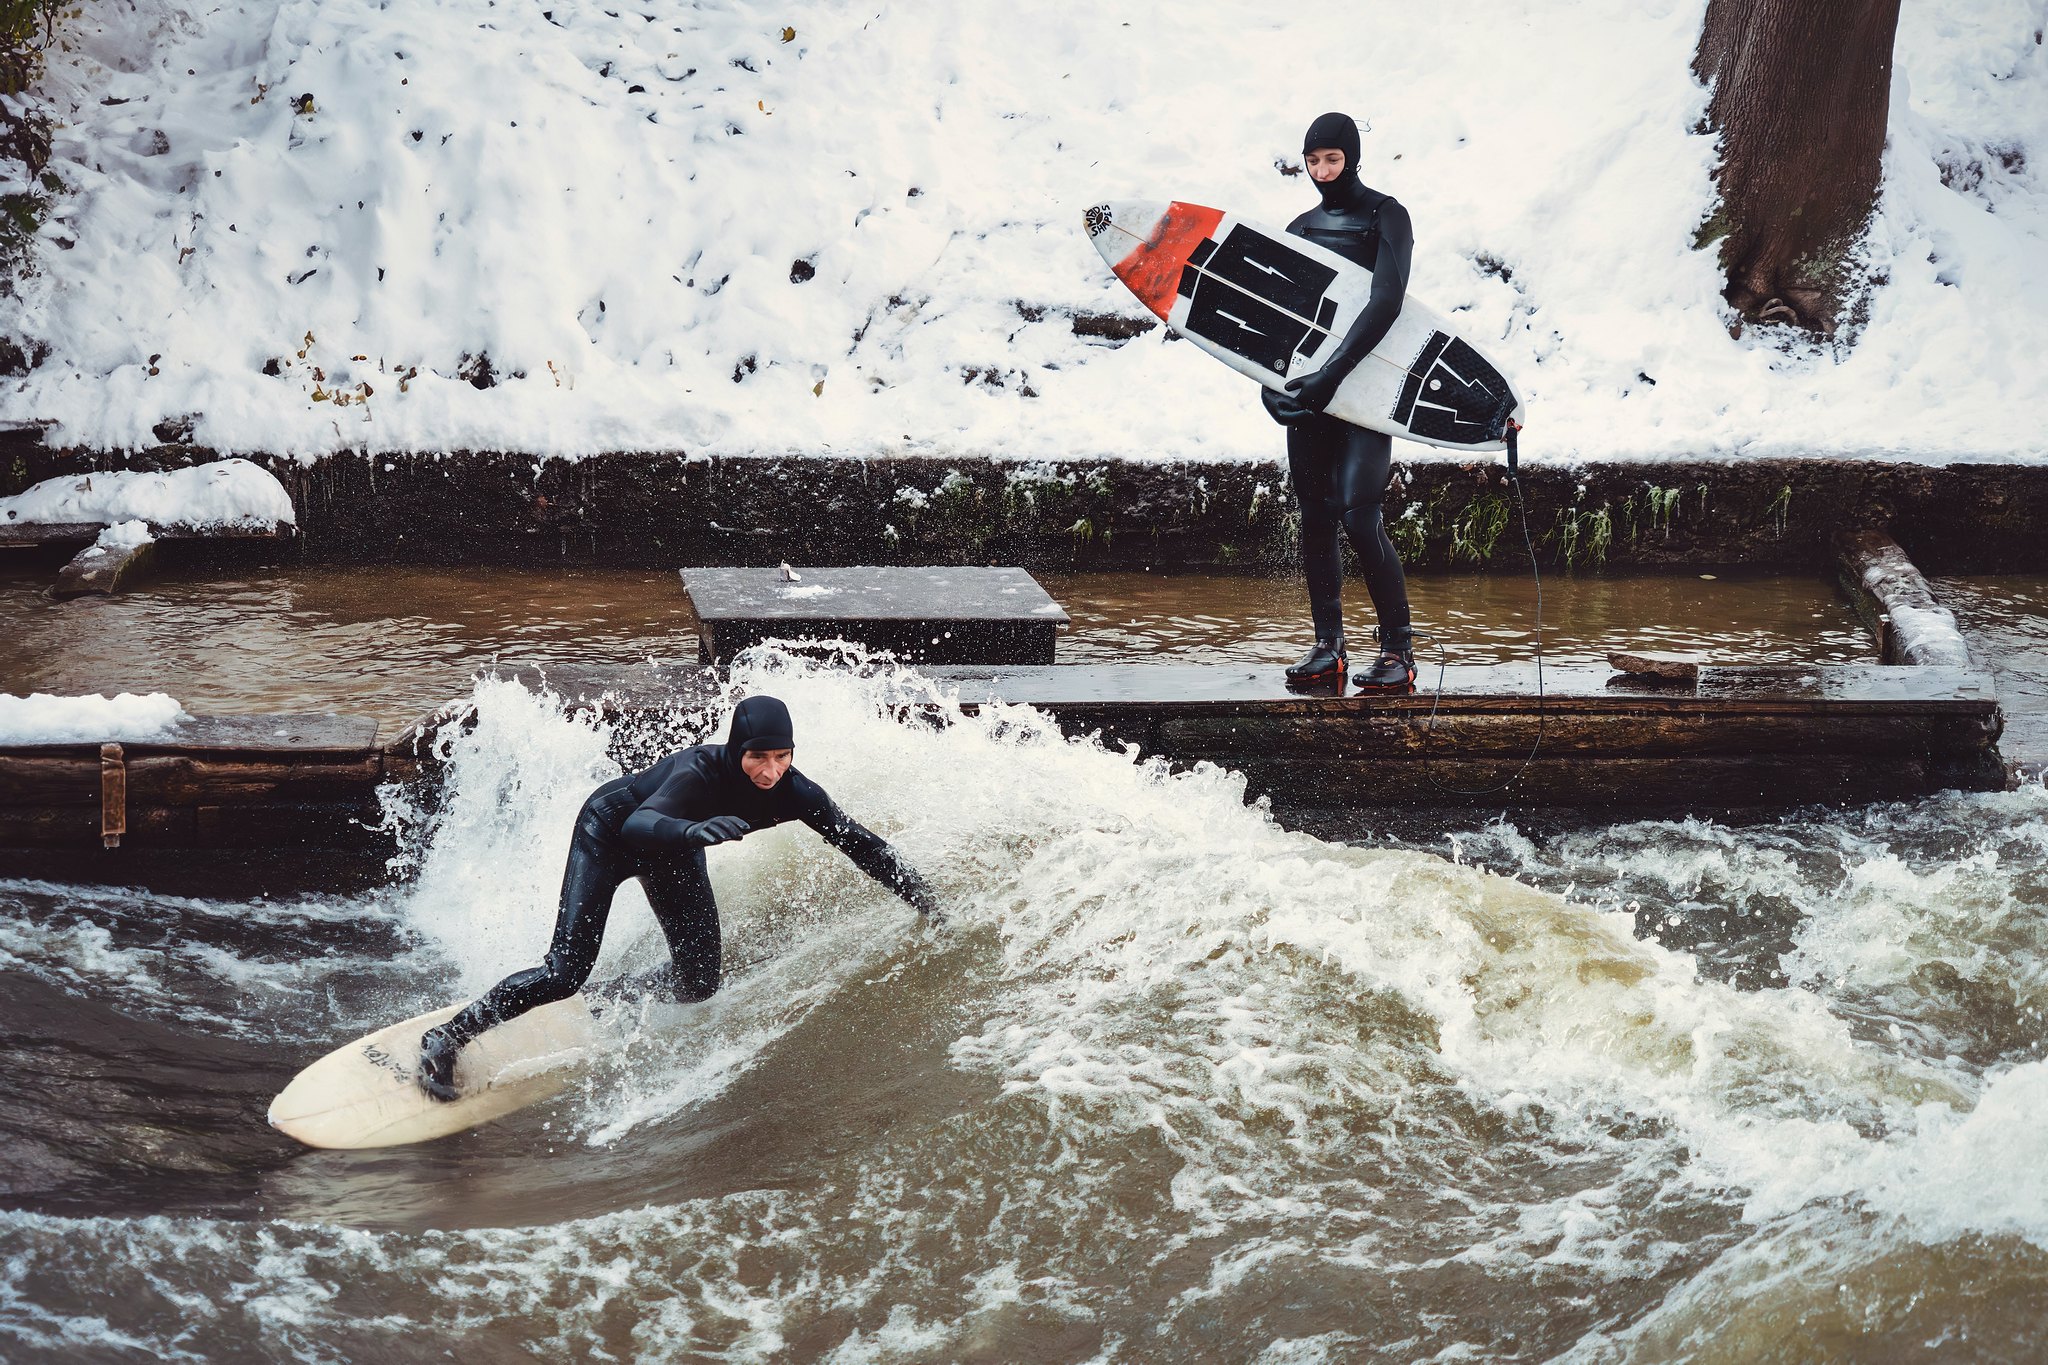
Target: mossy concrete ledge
661 510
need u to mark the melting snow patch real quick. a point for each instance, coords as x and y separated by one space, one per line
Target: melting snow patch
40 718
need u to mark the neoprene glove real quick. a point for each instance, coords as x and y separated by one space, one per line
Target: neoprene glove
1284 408
717 830
1314 391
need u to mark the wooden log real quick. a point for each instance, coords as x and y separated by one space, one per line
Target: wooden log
29 535
267 824
190 779
291 824
79 826
1672 784
55 780
1896 604
1644 735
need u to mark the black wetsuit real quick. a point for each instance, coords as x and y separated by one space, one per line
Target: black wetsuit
653 825
1339 471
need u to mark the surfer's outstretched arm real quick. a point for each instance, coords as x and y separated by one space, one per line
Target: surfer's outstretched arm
877 857
658 825
1382 306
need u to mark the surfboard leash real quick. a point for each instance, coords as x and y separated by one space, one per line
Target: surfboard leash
1511 431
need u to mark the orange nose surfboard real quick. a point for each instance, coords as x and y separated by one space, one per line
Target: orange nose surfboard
1274 306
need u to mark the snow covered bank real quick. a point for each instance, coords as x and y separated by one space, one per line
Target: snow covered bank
226 493
40 718
752 228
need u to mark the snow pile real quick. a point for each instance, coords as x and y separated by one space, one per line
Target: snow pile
224 493
123 536
808 226
40 718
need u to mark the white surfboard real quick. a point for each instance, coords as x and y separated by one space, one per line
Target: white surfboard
1271 306
366 1093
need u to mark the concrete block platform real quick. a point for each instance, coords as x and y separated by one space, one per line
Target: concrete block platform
926 615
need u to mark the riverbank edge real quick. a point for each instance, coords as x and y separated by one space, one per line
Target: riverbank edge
668 510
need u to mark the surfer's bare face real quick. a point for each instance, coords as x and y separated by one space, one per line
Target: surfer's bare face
1325 164
765 767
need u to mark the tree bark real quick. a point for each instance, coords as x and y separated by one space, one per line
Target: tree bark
1802 89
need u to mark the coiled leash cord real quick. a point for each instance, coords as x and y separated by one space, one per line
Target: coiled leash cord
1511 432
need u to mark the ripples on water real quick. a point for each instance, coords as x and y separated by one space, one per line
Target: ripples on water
395 642
1181 1086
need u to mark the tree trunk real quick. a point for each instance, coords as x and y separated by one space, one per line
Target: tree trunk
1802 89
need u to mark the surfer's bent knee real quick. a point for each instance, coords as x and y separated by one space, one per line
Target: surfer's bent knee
564 977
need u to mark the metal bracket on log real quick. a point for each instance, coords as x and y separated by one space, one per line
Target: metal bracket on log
113 796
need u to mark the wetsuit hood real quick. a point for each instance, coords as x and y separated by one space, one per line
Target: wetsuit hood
1345 190
757 723
760 723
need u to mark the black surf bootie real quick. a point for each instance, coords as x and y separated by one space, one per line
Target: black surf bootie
437 1064
1394 670
1324 662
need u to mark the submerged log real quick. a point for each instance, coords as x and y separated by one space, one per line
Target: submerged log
1896 604
101 569
1670 667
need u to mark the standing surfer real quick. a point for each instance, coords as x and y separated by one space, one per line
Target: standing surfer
1340 471
655 825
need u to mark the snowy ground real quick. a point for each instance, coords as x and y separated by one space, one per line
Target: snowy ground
611 205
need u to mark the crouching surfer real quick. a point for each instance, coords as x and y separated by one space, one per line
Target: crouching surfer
655 825
1340 471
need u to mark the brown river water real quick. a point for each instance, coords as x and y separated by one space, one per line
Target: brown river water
1178 1083
396 642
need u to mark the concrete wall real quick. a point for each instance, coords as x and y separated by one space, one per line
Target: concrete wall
667 510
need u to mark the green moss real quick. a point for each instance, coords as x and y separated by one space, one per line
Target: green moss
1476 529
1780 510
1261 495
1409 532
1034 500
1715 227
1288 534
1663 507
1583 537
